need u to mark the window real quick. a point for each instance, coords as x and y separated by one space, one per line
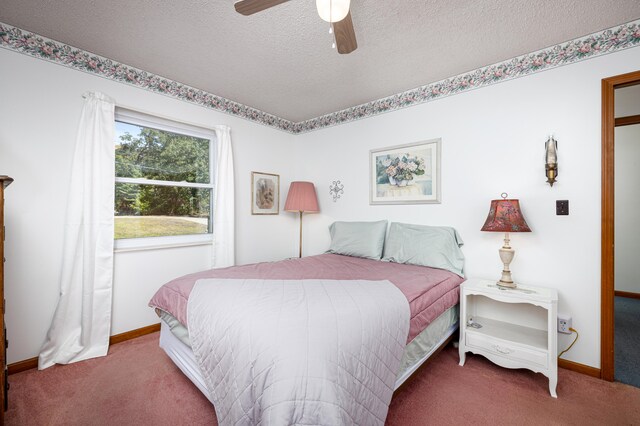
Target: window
164 182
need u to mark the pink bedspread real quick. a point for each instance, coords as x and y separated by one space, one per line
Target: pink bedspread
429 291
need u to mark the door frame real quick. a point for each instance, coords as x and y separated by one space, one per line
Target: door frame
608 215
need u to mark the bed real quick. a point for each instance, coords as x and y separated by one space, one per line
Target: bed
431 296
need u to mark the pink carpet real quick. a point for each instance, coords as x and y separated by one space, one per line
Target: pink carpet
137 384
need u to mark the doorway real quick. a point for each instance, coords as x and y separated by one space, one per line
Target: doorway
610 86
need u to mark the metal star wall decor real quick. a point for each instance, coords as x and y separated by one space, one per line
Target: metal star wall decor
336 189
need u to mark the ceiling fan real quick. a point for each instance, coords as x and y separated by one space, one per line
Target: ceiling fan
335 12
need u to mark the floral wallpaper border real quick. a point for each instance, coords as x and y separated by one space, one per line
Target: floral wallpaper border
44 48
596 44
600 43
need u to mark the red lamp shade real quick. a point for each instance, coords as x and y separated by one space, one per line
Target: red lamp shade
302 198
505 216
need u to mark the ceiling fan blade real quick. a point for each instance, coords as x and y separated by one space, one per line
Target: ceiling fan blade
249 7
345 35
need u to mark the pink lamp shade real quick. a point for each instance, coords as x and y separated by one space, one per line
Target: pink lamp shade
302 198
505 216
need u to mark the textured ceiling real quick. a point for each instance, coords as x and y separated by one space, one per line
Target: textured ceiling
280 60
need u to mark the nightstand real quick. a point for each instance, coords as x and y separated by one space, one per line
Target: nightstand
514 328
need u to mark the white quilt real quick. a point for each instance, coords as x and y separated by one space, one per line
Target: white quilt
293 352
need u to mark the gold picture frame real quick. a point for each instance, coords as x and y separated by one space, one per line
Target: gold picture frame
265 193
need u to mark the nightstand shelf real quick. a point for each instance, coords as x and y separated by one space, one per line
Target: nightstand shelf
533 337
517 326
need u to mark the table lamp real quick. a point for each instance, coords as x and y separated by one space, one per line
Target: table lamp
302 199
505 216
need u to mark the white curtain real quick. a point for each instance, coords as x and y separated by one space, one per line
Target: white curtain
82 321
224 199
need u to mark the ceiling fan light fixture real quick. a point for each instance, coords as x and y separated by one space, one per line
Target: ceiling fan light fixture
333 10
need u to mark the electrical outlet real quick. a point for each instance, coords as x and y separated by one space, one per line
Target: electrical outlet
564 324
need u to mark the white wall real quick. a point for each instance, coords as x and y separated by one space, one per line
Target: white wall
40 107
493 142
627 229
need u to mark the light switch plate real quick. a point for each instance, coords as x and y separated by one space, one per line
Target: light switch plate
562 207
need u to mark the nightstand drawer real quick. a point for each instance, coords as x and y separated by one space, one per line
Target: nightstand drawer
505 349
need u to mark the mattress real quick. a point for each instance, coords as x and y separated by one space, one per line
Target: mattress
429 291
174 340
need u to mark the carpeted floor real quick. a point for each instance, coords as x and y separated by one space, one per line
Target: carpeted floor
627 341
137 384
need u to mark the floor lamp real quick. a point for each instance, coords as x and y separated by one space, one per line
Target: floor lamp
302 199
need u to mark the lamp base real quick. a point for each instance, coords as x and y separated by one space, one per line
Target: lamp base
506 284
506 255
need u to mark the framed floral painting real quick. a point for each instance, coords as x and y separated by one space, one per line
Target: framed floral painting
265 193
405 174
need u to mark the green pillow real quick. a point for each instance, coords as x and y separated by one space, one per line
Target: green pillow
433 246
360 239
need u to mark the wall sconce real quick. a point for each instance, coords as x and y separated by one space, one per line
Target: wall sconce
551 160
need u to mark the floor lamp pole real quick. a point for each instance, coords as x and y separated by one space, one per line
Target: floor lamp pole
300 255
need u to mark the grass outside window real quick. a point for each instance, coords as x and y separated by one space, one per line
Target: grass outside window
158 226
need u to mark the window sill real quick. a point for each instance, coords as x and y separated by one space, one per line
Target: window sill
159 243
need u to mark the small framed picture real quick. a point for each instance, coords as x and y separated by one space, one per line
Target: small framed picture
405 174
265 193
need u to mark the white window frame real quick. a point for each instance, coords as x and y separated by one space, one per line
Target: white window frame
160 123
